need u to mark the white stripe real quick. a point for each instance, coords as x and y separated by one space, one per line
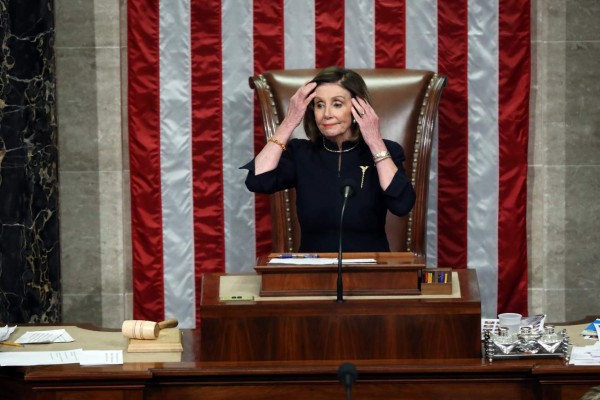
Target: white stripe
175 160
421 53
299 33
482 210
238 133
421 34
359 34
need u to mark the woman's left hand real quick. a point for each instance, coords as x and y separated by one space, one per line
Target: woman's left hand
368 121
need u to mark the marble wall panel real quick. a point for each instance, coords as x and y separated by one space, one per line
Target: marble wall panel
553 123
29 221
89 24
555 306
86 307
78 109
553 20
566 159
111 232
537 301
580 304
110 134
91 90
537 94
582 219
81 237
554 245
127 245
113 309
582 103
582 19
535 226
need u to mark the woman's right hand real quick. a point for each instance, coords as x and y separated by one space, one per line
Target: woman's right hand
269 156
298 104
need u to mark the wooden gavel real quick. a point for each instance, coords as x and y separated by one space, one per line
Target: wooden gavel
137 329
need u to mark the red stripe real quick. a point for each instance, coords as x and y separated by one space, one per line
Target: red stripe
329 33
207 141
144 159
390 34
268 54
453 135
513 115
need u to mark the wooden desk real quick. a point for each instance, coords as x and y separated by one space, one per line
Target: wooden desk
381 379
441 379
392 274
357 329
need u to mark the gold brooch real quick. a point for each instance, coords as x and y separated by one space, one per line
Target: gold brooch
363 168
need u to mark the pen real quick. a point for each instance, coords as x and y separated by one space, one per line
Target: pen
289 255
11 344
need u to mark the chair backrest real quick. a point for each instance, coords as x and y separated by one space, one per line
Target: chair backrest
406 102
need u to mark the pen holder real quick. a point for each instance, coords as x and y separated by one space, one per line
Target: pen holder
436 281
137 329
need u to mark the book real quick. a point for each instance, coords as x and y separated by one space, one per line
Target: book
169 340
590 330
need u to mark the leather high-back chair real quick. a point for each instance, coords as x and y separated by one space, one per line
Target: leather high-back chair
406 102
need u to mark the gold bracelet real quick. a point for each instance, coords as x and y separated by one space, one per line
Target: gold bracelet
382 158
381 155
277 142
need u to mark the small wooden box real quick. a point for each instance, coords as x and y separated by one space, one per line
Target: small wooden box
436 281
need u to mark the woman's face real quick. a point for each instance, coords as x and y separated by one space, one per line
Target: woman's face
333 111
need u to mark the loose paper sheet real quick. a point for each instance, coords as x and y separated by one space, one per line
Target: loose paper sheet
47 336
585 355
76 356
6 331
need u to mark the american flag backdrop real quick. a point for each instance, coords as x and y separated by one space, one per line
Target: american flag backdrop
193 123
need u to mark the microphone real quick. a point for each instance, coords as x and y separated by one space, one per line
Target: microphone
347 375
347 188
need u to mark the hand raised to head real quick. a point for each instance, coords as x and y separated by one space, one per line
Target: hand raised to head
367 120
299 102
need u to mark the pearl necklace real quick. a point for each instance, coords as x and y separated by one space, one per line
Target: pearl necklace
338 151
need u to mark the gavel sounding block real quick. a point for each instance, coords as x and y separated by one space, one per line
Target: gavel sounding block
168 340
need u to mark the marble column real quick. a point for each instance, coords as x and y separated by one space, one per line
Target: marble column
29 221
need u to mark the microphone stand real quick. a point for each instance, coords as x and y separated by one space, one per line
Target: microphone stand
340 284
347 375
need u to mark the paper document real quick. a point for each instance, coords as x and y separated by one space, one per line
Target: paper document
585 355
101 357
49 336
321 261
26 358
77 356
6 331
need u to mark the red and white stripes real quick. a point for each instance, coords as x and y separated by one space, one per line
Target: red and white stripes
192 123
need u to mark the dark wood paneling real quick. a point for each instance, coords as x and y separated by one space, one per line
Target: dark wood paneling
327 330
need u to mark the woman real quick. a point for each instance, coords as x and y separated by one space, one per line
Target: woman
343 143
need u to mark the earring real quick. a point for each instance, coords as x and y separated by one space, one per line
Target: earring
353 121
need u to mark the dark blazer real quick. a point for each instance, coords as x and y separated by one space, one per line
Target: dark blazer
313 171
